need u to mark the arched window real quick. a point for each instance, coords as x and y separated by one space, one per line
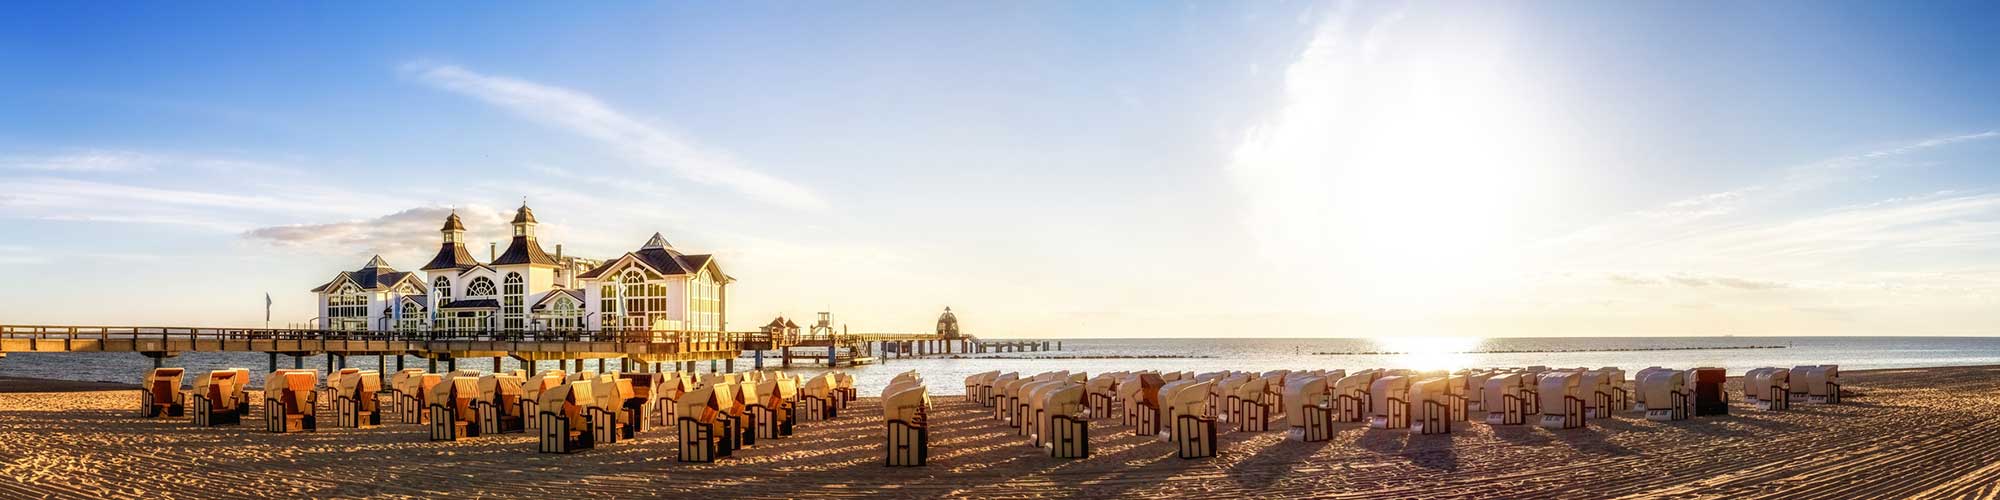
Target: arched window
563 314
637 305
443 288
347 308
480 287
512 312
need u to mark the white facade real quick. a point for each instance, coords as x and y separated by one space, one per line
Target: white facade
527 290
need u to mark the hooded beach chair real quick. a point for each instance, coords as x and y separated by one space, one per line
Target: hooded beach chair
1065 430
1389 397
1594 387
1254 403
817 397
217 398
1307 409
290 399
1710 397
975 386
355 404
1502 400
498 407
562 425
609 421
1101 396
770 409
451 412
1028 416
531 396
1638 391
1666 396
906 436
400 389
1193 432
1143 407
160 395
1561 405
643 411
730 400
416 402
994 398
1350 394
1433 401
700 426
1773 388
1818 384
844 387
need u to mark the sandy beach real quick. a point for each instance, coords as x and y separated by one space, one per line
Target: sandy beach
1928 433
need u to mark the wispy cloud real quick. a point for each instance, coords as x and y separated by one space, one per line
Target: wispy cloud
408 233
83 162
588 116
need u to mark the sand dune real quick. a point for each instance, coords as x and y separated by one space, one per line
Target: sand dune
1909 433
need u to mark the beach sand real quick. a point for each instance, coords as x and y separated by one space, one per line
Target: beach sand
1929 433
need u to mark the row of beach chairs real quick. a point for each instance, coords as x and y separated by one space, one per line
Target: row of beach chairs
1053 409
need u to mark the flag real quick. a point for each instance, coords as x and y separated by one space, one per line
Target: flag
267 306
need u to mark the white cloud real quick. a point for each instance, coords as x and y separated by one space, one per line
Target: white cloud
84 162
586 115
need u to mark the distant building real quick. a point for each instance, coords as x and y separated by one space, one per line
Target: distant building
527 289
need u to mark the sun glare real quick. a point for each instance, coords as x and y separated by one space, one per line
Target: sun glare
1430 353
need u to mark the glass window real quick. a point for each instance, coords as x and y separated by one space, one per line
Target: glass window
512 312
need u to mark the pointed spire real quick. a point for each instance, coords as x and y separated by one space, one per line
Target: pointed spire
657 242
375 263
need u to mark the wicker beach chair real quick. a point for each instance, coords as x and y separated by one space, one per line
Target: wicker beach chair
1308 409
450 408
160 395
217 398
1389 397
1773 387
906 431
1666 395
290 401
355 401
1192 432
1562 403
1501 400
1065 429
1432 400
562 425
498 408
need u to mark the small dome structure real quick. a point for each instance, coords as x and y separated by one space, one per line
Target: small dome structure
947 325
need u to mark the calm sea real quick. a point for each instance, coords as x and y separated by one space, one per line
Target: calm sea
946 375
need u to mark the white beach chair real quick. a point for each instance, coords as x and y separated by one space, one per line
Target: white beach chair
1192 432
975 383
1351 394
1067 430
1432 399
1561 406
1100 396
1666 395
906 431
1308 410
1502 400
1773 387
1389 397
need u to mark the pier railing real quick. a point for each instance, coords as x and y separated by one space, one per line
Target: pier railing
683 340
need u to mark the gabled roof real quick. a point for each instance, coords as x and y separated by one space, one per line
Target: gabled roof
790 324
524 250
778 322
554 294
376 275
463 272
661 258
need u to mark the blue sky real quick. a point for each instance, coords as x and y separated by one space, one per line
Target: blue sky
1047 169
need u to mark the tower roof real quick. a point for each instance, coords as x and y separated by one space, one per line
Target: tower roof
378 264
524 215
657 241
451 223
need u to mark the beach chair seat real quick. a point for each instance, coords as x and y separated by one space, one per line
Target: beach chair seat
218 398
451 414
1144 405
498 408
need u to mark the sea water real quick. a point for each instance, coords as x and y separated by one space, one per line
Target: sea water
946 373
